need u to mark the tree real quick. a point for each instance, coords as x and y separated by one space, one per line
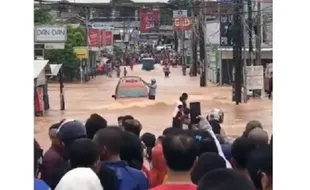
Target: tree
41 16
67 57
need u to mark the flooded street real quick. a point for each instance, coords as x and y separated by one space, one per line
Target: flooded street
95 97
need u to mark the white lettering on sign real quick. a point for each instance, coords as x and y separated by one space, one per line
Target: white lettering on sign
50 34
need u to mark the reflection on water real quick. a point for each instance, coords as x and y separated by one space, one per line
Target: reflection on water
95 97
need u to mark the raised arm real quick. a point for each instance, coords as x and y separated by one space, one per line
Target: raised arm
205 125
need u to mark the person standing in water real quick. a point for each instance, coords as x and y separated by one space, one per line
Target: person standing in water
152 89
166 71
125 71
118 71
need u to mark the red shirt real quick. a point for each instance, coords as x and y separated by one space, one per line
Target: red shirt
159 170
175 187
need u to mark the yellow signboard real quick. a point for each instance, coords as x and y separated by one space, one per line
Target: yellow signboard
81 52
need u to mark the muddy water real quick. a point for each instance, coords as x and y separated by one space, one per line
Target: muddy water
95 97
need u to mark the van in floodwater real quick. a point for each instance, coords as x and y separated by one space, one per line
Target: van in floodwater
130 87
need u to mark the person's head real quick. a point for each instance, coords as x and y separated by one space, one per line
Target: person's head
259 136
119 120
250 126
153 81
207 145
171 131
180 108
84 153
180 152
52 133
260 167
126 117
206 163
80 178
132 125
240 151
69 131
216 114
159 139
131 150
224 179
148 139
94 123
109 142
184 96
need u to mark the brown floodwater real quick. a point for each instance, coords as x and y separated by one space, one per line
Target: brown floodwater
95 97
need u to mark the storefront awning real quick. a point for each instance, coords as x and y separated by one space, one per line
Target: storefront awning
39 66
55 68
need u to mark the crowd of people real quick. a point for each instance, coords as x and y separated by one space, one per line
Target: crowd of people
98 155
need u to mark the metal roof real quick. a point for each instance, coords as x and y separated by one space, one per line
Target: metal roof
54 69
39 65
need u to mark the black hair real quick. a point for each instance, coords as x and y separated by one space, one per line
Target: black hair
160 138
206 163
149 140
83 153
94 123
180 152
224 179
126 117
184 95
206 145
109 138
55 126
271 140
172 131
132 125
260 160
120 118
240 151
131 150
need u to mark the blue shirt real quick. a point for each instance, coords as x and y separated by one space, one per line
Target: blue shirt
128 177
40 185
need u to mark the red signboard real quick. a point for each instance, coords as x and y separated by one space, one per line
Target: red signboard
106 38
93 37
182 24
149 20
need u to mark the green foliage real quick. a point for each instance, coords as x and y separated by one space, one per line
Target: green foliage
41 16
67 57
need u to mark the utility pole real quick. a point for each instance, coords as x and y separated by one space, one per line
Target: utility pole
202 45
258 35
194 42
245 89
238 42
182 43
250 24
202 55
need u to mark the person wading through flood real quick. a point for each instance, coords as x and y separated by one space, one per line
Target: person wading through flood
118 71
152 89
125 71
181 104
166 71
